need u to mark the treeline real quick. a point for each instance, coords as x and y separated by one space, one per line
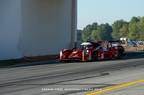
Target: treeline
134 30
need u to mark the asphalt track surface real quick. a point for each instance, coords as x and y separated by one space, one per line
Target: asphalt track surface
107 77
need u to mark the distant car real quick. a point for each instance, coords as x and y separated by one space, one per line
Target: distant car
140 43
132 43
89 51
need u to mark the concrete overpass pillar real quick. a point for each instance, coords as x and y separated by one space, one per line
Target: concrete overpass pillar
36 27
74 23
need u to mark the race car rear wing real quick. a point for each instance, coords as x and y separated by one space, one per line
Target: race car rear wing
115 41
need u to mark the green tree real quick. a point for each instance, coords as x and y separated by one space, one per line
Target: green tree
116 26
87 31
134 19
104 32
134 32
140 25
94 35
124 30
133 29
79 38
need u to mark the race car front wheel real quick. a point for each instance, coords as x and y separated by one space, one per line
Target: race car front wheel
67 61
94 55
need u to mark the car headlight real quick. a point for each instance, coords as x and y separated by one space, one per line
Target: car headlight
61 53
87 52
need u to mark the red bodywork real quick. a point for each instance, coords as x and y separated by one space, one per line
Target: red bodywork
101 51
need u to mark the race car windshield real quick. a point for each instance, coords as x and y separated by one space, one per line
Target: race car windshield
82 47
96 45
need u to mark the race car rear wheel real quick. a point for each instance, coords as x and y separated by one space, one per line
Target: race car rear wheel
120 52
94 55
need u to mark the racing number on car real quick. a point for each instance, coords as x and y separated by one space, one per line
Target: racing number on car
102 55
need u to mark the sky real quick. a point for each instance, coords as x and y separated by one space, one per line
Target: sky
107 11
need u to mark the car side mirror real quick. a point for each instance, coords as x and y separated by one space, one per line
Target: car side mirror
73 48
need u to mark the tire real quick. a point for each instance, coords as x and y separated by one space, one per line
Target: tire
94 55
67 61
120 52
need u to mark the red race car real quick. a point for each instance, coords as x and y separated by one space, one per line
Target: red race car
89 51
